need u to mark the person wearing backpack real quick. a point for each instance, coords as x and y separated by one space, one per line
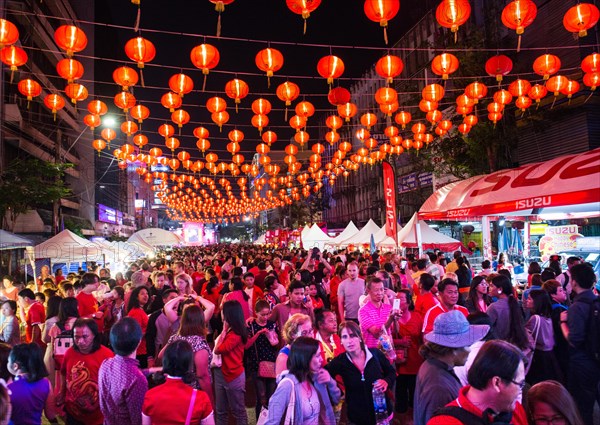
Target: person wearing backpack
496 380
581 328
565 278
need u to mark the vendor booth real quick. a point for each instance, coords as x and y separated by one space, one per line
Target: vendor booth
564 188
155 237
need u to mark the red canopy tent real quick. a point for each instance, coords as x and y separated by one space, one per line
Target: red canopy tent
563 188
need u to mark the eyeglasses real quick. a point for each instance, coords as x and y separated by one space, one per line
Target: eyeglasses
521 384
554 420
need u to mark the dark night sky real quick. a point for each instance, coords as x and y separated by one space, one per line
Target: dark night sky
335 22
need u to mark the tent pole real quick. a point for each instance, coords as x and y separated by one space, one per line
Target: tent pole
486 237
526 236
418 235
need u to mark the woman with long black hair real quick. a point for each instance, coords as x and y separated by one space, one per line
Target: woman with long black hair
230 378
135 309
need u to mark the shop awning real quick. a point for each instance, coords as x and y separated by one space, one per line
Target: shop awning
568 185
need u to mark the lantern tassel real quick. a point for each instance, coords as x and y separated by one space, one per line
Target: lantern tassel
219 25
204 83
455 36
142 77
137 19
588 98
519 44
286 113
12 76
304 32
268 82
553 101
385 37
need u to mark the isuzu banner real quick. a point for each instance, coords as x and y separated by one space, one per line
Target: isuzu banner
389 195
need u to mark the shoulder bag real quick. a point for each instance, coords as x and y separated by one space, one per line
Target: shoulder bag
266 369
188 418
289 413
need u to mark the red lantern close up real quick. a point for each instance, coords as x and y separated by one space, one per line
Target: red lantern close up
382 11
498 66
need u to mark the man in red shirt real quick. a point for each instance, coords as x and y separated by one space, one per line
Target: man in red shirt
427 298
496 380
33 314
282 272
448 295
86 301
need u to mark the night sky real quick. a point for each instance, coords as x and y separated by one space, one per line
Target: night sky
176 26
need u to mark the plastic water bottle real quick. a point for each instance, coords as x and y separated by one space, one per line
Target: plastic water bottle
381 416
387 347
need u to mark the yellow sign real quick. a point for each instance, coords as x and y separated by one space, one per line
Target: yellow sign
558 239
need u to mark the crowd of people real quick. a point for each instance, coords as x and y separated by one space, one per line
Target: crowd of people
317 337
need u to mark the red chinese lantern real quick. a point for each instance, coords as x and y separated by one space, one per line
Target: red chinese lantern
99 145
368 120
303 8
139 113
444 65
297 122
140 51
305 109
592 80
155 152
236 89
571 88
108 134
494 117
125 77
581 18
591 63
452 14
445 125
129 128
166 130
181 84
55 103
14 57
220 7
216 104
301 137
498 66
389 67
433 116
386 96
140 140
288 92
69 69
556 84
125 101
433 92
382 11
419 128
205 57
92 121
476 91
519 87
517 15
471 120
546 65
220 118
171 101
260 121
347 111
172 143
76 92
269 137
332 137
70 38
202 145
537 93
97 107
338 96
503 96
9 34
201 133
330 67
269 60
464 128
180 117
261 106
427 105
403 118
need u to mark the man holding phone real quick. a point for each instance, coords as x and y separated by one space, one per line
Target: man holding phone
375 316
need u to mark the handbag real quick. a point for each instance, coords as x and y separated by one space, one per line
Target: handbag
289 413
266 369
188 418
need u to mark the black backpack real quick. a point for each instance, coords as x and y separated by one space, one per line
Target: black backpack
593 333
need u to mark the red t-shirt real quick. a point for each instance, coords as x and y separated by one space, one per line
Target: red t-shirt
81 373
87 305
141 317
36 315
425 302
231 349
213 296
168 404
519 416
434 312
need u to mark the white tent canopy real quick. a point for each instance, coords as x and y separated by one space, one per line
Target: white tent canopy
315 237
429 238
261 239
67 247
363 236
11 241
155 237
348 232
304 231
123 252
383 240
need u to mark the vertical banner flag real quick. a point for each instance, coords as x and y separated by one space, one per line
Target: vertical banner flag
389 195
